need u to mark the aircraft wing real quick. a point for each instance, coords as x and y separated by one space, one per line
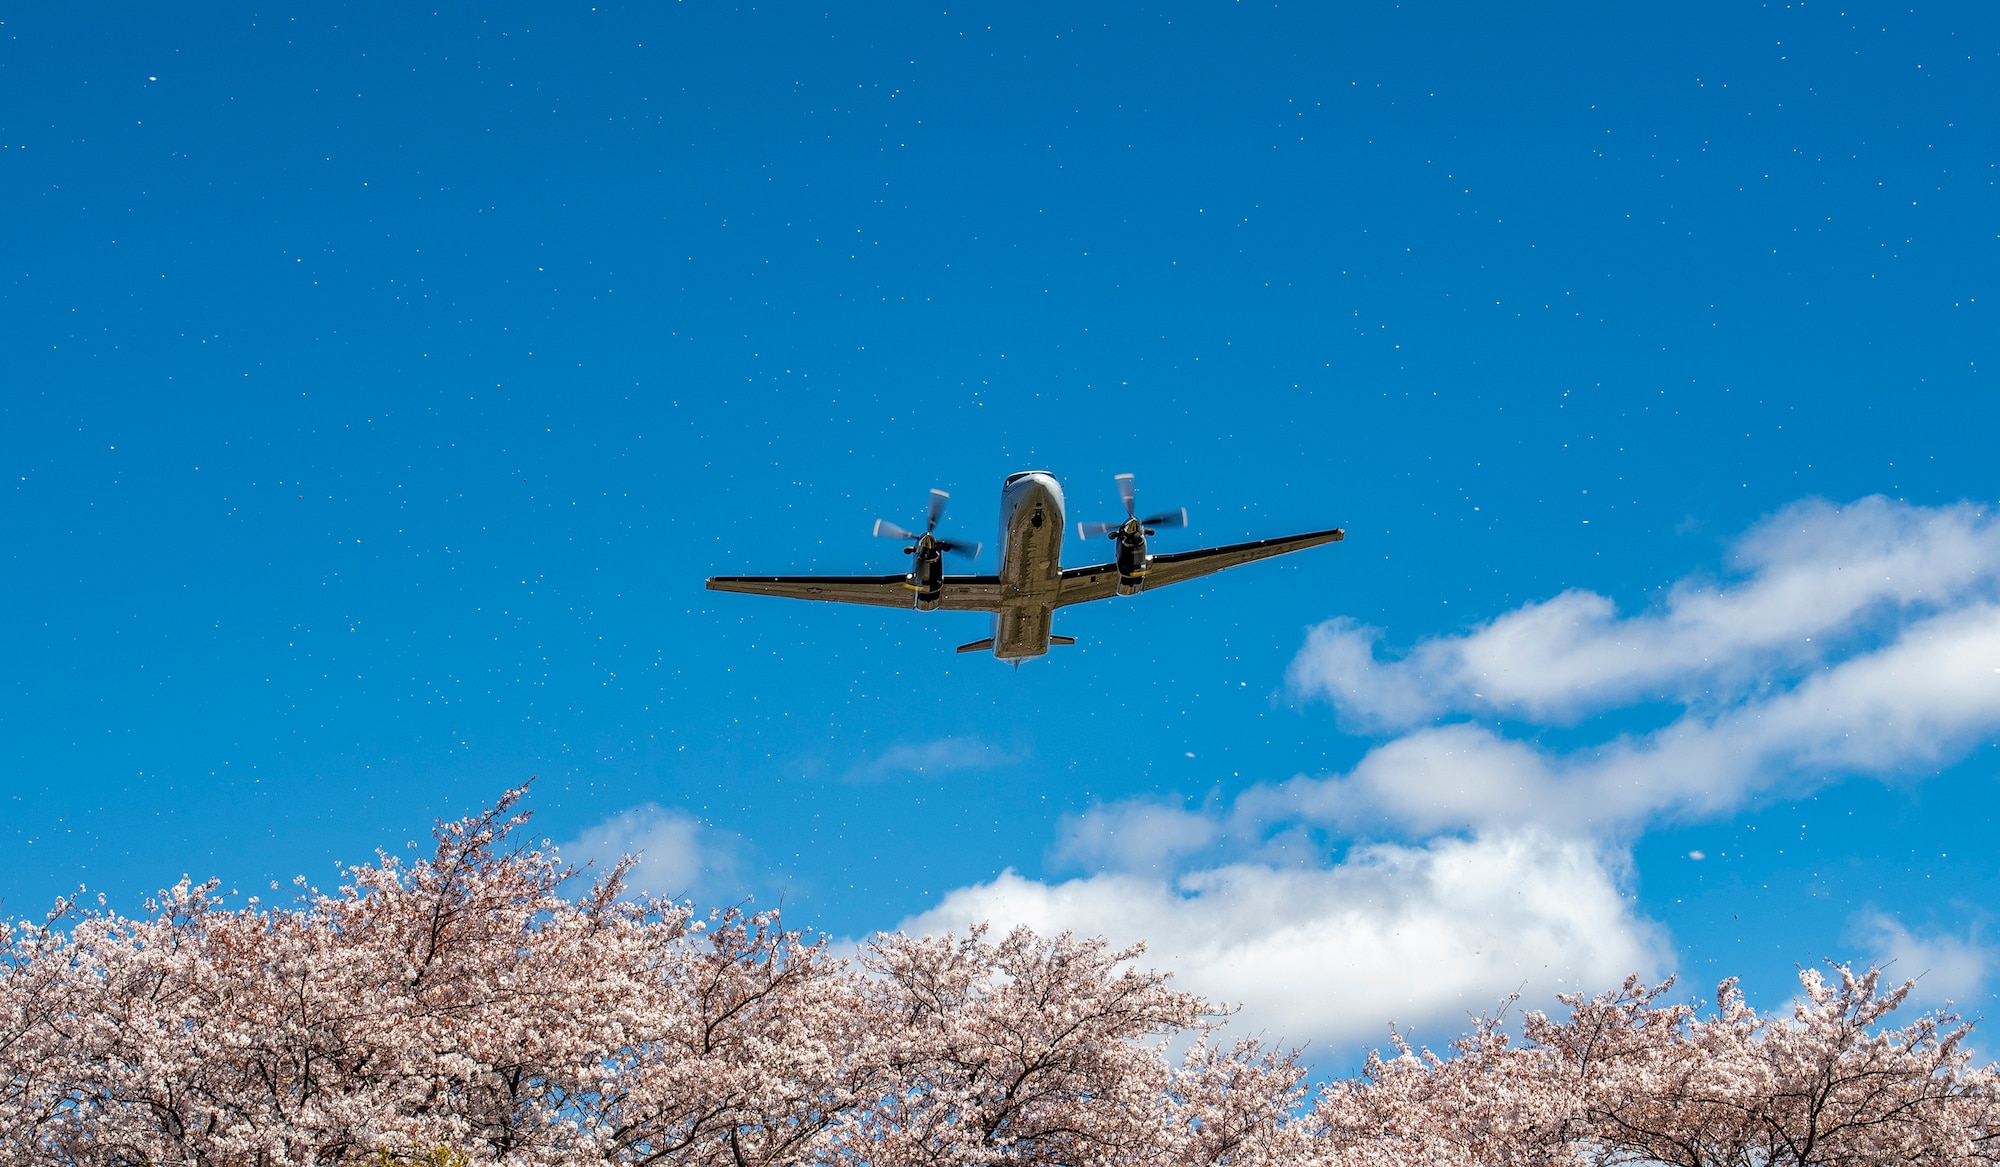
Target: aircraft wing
1082 584
962 593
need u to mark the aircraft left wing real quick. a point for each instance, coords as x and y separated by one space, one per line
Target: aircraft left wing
1082 584
962 593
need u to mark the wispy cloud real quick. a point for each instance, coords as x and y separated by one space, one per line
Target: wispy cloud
1815 578
1134 834
930 759
678 854
1862 640
1909 705
1947 966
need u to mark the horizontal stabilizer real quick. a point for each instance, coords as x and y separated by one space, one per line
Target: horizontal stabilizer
1062 640
977 645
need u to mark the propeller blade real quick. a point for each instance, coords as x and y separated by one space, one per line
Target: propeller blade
969 550
888 530
1170 519
938 499
1093 530
1126 491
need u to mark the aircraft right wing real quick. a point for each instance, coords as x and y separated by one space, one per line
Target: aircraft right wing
1082 584
962 593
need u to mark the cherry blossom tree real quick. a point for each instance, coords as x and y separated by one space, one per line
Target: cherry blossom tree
1032 1051
1830 1084
456 1002
1630 1078
488 1004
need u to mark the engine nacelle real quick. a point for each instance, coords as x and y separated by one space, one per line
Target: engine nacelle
1132 563
927 581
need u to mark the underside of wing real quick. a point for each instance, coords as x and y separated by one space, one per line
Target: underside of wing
1187 565
1081 584
962 593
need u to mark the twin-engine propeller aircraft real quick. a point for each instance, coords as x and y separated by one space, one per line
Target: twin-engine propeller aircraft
1032 582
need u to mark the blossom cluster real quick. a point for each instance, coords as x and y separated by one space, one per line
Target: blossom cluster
488 1004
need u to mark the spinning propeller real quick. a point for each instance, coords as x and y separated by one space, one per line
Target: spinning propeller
927 546
1133 529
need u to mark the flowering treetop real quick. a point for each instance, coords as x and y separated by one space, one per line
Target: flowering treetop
488 1004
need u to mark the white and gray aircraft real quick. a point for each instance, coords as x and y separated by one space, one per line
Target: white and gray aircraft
1032 583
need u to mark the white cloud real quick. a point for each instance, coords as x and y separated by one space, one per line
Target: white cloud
679 855
1918 701
1423 935
1135 834
1947 967
932 758
1816 576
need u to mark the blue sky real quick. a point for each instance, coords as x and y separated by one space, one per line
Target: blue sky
380 386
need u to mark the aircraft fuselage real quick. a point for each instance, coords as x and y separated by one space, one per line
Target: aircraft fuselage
1031 536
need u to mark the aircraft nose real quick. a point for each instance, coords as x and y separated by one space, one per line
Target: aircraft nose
1036 480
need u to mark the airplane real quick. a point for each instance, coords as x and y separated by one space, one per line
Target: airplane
1031 583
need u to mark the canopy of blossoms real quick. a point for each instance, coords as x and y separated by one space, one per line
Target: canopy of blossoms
486 1005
